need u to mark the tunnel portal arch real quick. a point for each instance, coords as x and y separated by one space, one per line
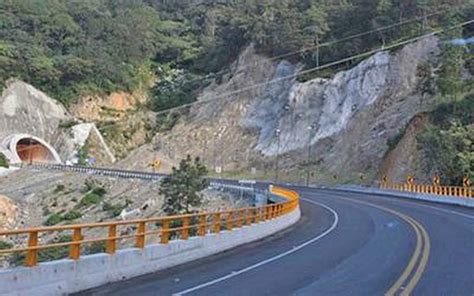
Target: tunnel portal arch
25 148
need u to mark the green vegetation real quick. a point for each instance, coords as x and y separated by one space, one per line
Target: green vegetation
72 215
448 141
74 48
53 219
55 253
5 245
57 218
93 197
181 188
3 161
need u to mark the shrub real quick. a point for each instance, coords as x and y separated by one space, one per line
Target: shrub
72 215
99 191
53 219
90 199
5 245
55 253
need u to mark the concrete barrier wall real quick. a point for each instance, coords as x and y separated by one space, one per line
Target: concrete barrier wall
444 199
67 276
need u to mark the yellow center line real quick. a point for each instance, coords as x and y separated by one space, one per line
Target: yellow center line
424 260
422 249
411 264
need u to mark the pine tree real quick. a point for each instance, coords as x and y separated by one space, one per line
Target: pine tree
182 187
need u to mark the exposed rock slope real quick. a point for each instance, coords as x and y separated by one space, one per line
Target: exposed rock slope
26 111
353 115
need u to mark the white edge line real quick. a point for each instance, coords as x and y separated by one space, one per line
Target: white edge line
405 201
447 211
256 265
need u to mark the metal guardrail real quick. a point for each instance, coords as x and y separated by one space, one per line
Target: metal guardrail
169 227
98 171
431 189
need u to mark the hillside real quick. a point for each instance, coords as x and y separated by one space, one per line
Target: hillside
122 66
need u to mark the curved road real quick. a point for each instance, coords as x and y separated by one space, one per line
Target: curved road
344 243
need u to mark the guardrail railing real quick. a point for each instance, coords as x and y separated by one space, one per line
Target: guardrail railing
109 172
165 228
431 189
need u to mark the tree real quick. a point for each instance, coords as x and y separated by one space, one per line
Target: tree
182 187
449 77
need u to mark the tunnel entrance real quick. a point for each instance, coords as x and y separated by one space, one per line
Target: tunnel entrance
30 150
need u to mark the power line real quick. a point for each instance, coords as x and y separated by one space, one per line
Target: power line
314 69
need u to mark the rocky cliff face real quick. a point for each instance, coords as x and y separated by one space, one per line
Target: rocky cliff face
347 119
26 111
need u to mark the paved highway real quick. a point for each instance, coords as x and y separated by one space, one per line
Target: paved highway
344 244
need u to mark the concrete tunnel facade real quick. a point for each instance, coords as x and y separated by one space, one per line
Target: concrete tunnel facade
24 148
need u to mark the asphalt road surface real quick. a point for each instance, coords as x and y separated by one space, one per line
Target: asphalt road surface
344 244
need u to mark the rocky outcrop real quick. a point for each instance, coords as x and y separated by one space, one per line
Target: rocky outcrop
8 213
351 115
26 110
33 122
405 158
113 106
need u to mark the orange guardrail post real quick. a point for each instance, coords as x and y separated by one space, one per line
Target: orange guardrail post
32 255
165 231
185 230
111 241
140 240
217 223
257 215
75 251
249 217
240 221
202 225
229 221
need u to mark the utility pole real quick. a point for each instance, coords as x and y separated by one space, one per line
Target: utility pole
311 129
277 134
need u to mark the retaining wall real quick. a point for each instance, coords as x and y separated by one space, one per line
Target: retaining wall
453 200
